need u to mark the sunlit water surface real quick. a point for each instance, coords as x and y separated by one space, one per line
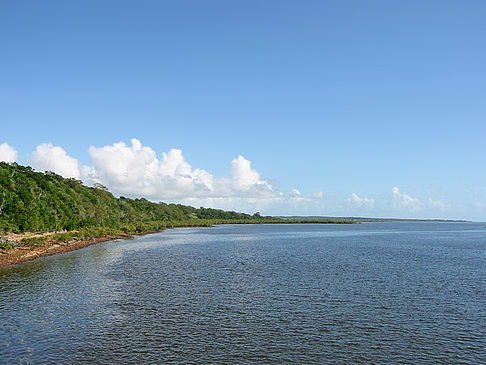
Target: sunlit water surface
273 294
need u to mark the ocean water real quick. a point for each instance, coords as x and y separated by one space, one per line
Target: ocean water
382 293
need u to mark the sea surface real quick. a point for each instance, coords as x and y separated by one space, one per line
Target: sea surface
381 293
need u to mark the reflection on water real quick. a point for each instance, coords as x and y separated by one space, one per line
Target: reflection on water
375 292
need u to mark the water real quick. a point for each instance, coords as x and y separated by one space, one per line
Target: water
270 294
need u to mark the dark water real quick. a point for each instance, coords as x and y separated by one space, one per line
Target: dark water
271 294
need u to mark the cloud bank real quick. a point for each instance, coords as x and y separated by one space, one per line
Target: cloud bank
134 170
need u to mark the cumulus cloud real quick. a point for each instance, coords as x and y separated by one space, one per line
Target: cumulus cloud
135 170
48 157
364 202
8 153
244 178
404 201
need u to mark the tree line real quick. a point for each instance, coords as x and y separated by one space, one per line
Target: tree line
43 202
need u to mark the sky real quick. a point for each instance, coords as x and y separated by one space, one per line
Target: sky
341 108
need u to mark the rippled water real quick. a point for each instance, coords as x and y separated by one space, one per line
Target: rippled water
373 292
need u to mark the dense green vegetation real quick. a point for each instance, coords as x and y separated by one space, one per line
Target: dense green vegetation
42 202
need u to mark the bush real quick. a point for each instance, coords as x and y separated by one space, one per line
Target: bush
35 241
5 246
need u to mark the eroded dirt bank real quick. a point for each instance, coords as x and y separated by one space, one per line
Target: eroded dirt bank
25 253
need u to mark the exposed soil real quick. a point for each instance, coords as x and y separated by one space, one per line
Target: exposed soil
23 254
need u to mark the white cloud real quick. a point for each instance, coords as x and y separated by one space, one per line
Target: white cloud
8 153
135 170
244 178
402 201
361 202
48 157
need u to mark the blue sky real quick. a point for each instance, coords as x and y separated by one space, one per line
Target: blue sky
330 98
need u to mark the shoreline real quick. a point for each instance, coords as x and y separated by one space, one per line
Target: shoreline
22 254
19 255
